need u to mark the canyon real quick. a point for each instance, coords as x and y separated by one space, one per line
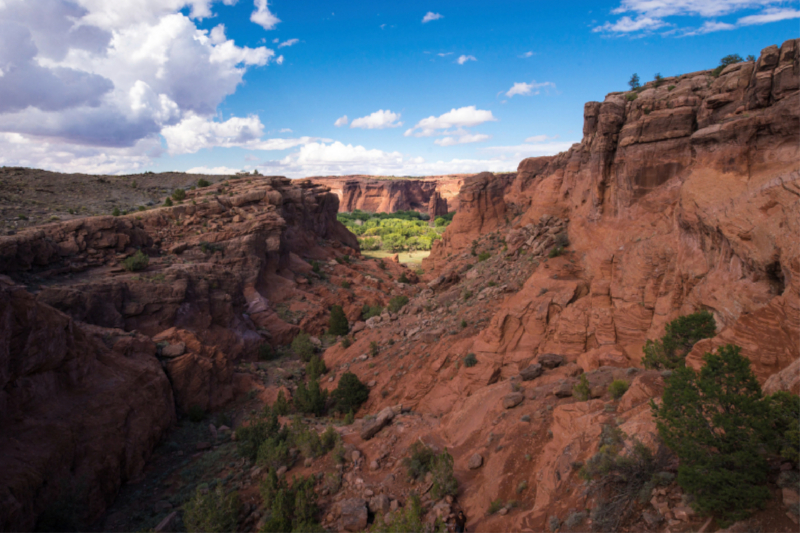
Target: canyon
682 196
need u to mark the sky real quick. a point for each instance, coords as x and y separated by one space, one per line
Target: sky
309 88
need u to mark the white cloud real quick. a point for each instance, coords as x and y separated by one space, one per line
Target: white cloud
444 54
463 139
262 15
769 15
279 60
376 121
214 170
650 14
535 148
527 54
526 89
463 59
341 121
290 42
430 15
540 138
286 130
463 117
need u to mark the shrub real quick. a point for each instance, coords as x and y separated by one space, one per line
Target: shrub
659 79
212 511
724 62
346 342
403 278
617 388
631 96
522 486
444 482
716 423
292 508
265 352
784 417
495 506
410 519
470 360
345 284
397 303
136 262
671 87
369 311
463 323
483 256
310 399
337 324
581 391
315 268
115 212
179 195
349 418
681 335
273 453
374 349
249 438
467 294
281 406
350 393
419 461
301 345
203 183
315 367
556 251
168 202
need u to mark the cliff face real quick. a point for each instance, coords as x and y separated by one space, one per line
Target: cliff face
85 391
387 195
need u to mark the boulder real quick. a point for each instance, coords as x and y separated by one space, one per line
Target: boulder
174 350
358 326
550 360
563 389
352 514
475 461
531 372
379 504
372 427
512 400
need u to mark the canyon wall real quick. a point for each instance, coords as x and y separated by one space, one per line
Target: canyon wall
95 361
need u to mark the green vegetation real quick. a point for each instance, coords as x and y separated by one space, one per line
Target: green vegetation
631 96
179 195
374 350
617 388
265 352
724 62
281 406
136 262
202 183
495 506
658 79
670 351
392 232
168 202
115 212
581 391
470 360
337 324
483 256
422 459
310 399
345 284
290 508
211 510
722 428
670 87
397 303
350 393
346 342
301 345
409 520
315 367
634 82
369 311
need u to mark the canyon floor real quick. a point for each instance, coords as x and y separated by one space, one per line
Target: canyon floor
139 353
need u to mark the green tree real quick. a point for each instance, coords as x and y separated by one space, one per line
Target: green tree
310 399
714 421
350 393
337 324
301 345
212 511
681 335
634 82
725 61
397 302
659 79
179 195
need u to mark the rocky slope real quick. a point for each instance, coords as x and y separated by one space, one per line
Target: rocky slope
96 361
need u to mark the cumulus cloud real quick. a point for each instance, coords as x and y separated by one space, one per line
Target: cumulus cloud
430 15
527 54
341 121
93 73
463 139
376 121
527 89
540 138
262 15
463 117
290 42
444 54
463 59
642 16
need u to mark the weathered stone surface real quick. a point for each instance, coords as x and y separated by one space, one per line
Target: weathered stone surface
512 400
352 514
475 461
174 350
550 360
372 427
531 372
379 504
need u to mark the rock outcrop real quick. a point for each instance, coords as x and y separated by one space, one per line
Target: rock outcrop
437 206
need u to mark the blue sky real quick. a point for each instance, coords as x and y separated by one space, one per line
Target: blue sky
416 88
